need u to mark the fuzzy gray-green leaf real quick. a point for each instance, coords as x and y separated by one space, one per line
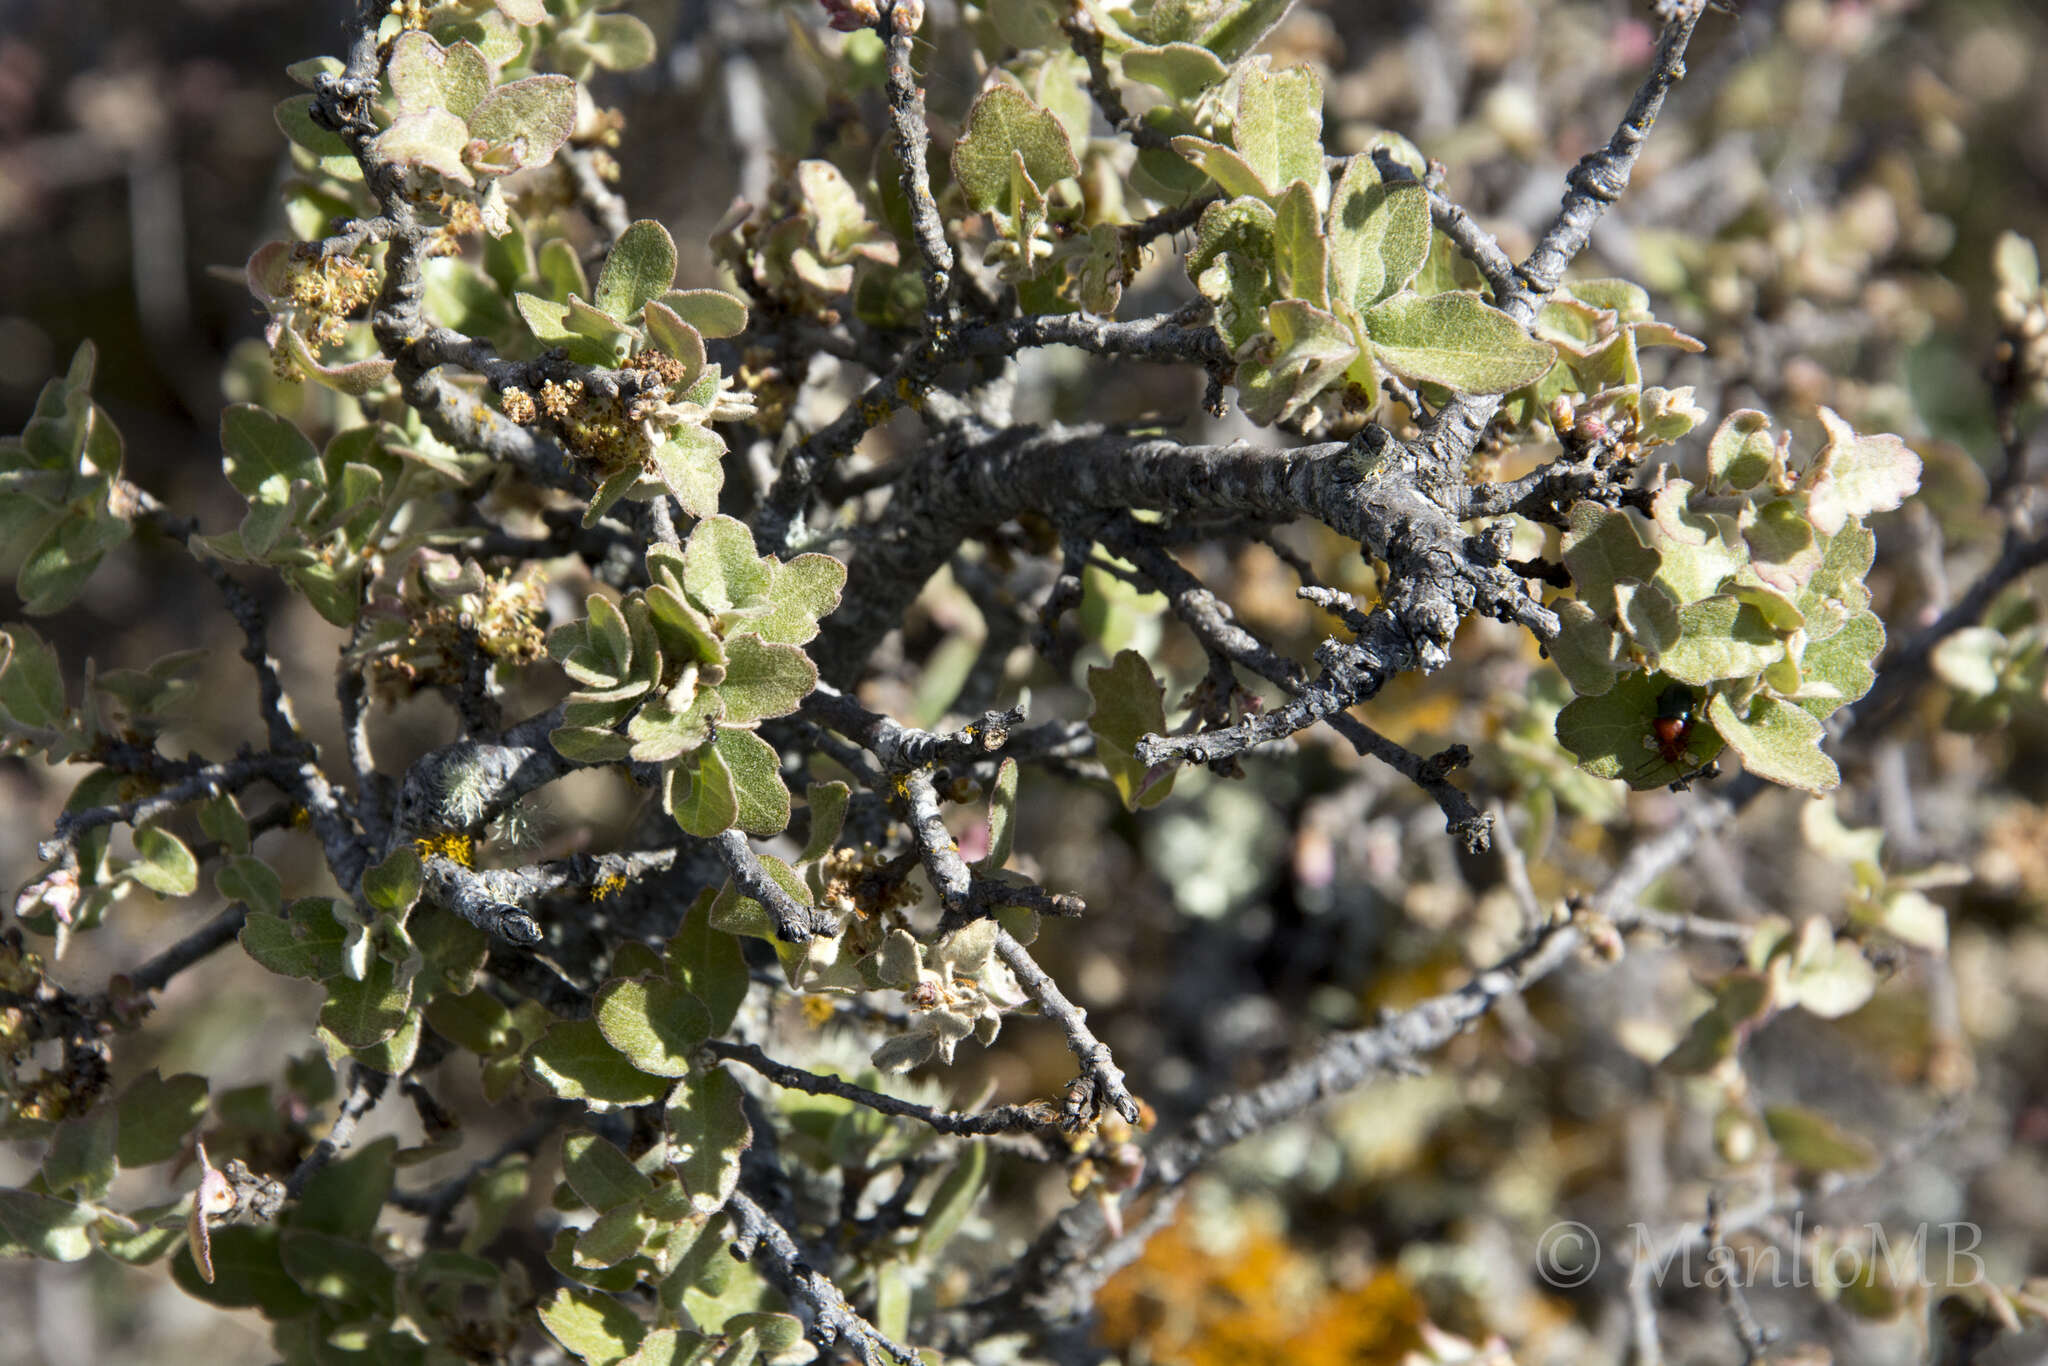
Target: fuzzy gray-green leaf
1457 341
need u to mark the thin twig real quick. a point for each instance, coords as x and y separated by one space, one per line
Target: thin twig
1100 1085
912 139
794 923
366 1087
830 1320
1033 1117
1756 1343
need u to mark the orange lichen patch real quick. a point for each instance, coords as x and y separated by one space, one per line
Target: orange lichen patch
1262 1302
818 1010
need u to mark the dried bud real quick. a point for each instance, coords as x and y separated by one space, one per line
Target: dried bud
849 15
56 891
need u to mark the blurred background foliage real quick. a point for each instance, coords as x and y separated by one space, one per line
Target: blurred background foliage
1818 205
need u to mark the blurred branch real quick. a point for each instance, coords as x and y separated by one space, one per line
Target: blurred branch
1756 1343
604 205
1905 668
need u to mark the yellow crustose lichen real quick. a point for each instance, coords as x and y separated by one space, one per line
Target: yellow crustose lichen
452 845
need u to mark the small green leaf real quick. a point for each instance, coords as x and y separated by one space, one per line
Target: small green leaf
1611 735
367 1012
761 800
590 1325
1972 661
222 819
590 744
38 1226
1602 547
1824 975
156 1114
1232 264
1588 651
1226 166
1843 661
294 118
57 567
576 1062
1002 124
661 733
431 140
1238 27
1457 341
677 338
1854 476
80 1159
1309 351
1778 742
619 42
1811 1140
721 570
346 1197
708 1130
712 312
827 803
613 1238
546 319
31 682
686 634
259 444
1002 817
602 1177
2016 265
1130 703
248 1273
953 1201
345 1271
425 76
1182 70
166 866
708 963
1379 235
394 885
1279 127
534 115
763 680
801 591
655 1024
690 465
701 796
474 1020
1741 454
639 267
1723 637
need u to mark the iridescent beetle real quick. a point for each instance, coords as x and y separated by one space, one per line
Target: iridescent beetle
1671 728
